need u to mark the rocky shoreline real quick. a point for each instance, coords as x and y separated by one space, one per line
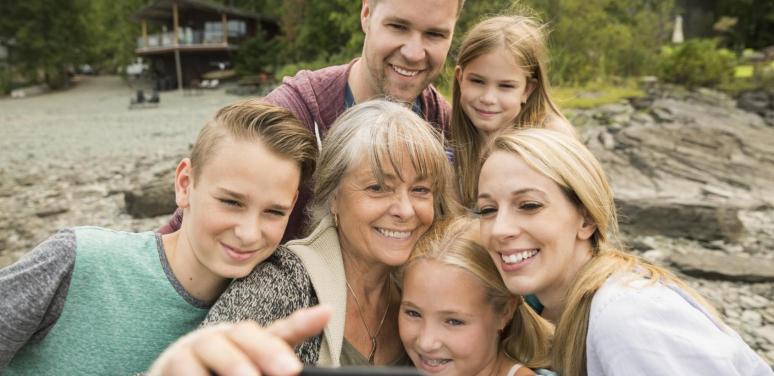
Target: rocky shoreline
691 171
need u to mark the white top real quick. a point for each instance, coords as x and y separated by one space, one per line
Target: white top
641 329
513 370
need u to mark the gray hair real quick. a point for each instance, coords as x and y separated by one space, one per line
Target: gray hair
380 131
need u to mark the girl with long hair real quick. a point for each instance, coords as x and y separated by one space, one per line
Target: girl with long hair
457 317
500 82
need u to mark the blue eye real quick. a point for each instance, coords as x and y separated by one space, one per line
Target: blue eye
412 313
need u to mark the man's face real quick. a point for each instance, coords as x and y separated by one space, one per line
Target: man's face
406 43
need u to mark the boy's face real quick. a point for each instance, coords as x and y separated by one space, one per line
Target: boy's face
406 43
236 210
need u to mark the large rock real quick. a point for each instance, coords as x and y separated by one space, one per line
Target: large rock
151 200
726 267
756 101
697 153
657 216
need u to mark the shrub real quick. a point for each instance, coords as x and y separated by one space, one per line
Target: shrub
697 62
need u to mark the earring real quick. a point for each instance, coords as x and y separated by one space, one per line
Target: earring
335 220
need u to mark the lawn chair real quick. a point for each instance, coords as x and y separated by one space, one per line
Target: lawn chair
141 101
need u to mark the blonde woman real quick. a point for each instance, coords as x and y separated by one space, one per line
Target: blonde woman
547 219
458 318
501 82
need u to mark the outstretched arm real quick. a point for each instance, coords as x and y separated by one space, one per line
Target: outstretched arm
243 348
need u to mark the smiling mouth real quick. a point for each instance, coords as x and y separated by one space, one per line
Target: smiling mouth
432 363
485 113
404 72
517 257
394 234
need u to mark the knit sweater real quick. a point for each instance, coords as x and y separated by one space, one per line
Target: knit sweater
301 273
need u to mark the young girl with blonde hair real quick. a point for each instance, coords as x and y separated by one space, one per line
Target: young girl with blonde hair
457 317
500 82
547 219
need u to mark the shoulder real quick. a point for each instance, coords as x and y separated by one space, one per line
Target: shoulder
638 327
560 124
276 287
437 109
307 80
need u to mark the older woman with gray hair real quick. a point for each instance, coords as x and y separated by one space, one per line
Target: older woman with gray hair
381 181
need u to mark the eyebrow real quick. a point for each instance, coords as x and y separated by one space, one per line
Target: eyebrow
518 192
242 197
444 31
476 75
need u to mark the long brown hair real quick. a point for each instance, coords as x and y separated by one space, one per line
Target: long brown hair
524 37
569 164
455 241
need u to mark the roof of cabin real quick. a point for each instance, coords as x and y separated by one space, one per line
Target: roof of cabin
162 9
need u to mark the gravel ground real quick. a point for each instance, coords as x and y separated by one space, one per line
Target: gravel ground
66 156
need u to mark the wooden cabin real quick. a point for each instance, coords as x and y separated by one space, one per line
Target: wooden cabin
182 40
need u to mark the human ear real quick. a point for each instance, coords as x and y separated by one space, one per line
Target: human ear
510 310
531 86
365 15
183 183
458 74
587 228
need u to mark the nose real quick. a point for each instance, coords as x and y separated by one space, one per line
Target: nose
402 207
503 227
248 230
487 97
413 49
427 340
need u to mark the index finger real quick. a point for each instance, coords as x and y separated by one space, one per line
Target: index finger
301 324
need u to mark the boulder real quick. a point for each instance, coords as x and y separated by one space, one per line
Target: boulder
698 221
754 101
151 200
710 265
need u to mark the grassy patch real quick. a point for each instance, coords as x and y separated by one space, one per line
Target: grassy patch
593 96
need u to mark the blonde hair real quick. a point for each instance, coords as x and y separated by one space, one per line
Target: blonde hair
382 132
253 120
570 165
455 242
524 38
460 4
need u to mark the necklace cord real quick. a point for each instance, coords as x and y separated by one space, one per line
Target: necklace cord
372 353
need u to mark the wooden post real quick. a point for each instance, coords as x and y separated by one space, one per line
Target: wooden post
225 28
145 33
177 47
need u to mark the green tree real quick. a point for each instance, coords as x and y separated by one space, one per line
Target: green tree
46 37
594 39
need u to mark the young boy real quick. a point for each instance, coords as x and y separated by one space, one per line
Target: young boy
94 301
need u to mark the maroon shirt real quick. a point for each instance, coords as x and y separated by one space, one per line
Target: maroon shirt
318 97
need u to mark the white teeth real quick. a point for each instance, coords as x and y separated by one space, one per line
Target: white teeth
518 257
394 234
435 362
404 72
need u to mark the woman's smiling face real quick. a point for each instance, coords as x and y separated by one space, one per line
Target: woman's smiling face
535 235
381 223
